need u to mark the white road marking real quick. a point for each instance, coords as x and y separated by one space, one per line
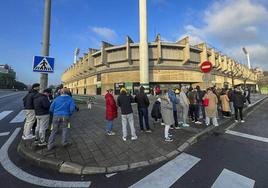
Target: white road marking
4 114
169 173
4 133
229 179
19 118
110 175
249 136
10 167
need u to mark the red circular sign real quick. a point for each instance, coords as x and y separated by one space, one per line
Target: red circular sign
206 66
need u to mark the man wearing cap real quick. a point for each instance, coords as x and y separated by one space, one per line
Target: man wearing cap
28 102
41 108
124 102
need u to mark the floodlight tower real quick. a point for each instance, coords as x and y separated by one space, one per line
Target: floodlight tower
247 54
76 53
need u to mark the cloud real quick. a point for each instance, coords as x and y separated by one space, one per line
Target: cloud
105 32
231 24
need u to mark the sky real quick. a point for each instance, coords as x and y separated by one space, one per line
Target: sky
226 25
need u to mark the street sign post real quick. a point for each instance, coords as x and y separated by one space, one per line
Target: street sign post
206 68
43 64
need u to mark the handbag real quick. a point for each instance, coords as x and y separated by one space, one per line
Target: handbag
205 102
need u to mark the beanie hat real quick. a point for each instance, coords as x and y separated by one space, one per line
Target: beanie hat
123 90
35 85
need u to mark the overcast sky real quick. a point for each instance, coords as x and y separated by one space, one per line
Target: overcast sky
226 25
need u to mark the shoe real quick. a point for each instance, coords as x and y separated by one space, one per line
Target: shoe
207 125
185 125
177 127
171 127
198 122
111 133
42 144
193 120
29 137
180 122
148 131
124 138
162 123
170 135
242 121
36 141
134 138
142 130
67 144
168 139
236 121
216 125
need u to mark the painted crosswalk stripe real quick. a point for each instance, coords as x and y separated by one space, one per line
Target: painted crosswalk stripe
4 133
231 179
253 137
4 114
169 173
19 118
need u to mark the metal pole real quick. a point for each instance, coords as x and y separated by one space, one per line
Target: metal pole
248 61
46 38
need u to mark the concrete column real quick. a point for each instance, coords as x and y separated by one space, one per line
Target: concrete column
144 56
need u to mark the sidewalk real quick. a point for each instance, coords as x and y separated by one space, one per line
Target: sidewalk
92 151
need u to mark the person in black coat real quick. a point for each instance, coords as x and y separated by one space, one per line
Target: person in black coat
238 100
143 103
156 110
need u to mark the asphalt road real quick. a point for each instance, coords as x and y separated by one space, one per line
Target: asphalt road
212 160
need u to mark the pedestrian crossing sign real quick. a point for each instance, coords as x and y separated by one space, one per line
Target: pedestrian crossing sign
43 64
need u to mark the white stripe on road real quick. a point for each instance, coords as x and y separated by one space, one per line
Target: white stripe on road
110 175
169 173
229 179
4 133
19 118
253 137
4 114
10 167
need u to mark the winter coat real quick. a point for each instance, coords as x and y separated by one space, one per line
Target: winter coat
225 103
41 104
167 112
183 99
200 95
111 108
192 95
211 109
28 100
62 106
142 100
173 99
124 102
156 110
239 99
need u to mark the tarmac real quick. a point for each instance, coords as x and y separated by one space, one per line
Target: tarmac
93 151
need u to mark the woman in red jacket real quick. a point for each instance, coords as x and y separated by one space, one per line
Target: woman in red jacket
111 111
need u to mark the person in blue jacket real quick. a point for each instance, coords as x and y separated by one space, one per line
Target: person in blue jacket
174 101
62 108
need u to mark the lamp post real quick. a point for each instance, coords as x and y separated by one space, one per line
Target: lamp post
247 54
46 38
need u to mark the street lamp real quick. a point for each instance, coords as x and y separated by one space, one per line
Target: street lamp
247 54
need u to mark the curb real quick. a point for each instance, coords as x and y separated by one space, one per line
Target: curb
73 168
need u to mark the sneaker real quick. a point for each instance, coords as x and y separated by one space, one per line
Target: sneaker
42 144
170 135
168 139
193 120
111 133
67 144
29 137
134 138
177 127
185 125
207 125
124 138
236 120
162 123
36 141
216 125
148 131
142 130
180 122
198 122
171 127
242 121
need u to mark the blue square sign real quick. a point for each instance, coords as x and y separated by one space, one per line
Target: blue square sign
43 64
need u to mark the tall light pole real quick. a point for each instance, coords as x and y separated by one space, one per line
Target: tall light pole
144 57
247 54
46 38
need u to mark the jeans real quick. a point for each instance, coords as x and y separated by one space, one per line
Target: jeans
59 122
175 115
240 109
128 119
41 127
232 107
109 126
202 109
30 120
194 112
143 114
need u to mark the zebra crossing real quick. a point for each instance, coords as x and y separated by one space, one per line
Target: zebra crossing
18 118
172 171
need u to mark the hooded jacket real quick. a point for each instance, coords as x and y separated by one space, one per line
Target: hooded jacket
62 106
142 100
41 104
28 100
111 108
124 102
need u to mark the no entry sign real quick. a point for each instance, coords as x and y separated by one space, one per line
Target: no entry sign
206 66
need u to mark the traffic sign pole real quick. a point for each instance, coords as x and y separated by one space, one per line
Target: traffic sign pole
46 38
206 68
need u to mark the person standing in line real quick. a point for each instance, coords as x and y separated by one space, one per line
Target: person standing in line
201 107
211 109
194 110
225 105
30 113
238 104
111 111
174 102
143 103
41 108
231 103
247 95
184 102
124 101
156 111
62 108
167 115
